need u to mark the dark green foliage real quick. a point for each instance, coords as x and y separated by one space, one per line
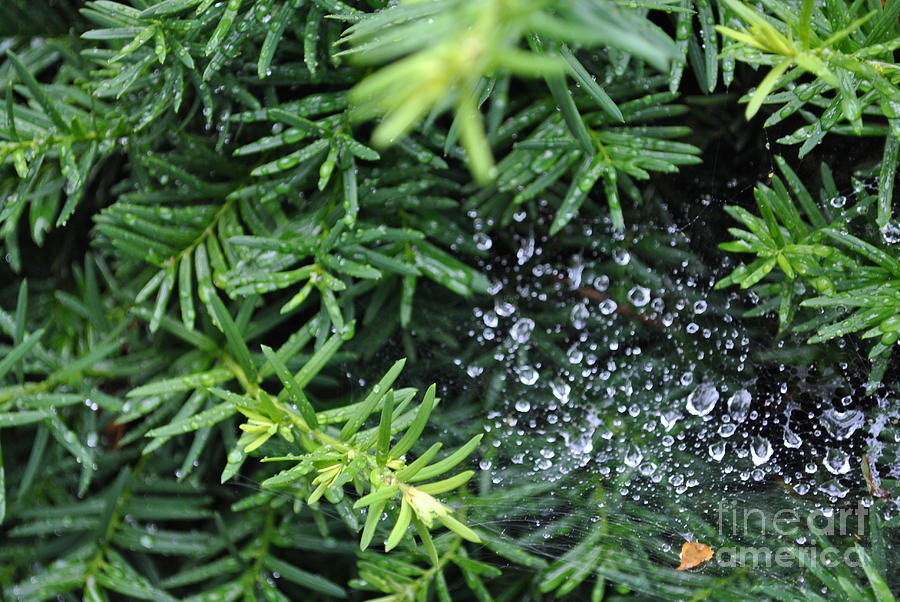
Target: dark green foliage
822 264
222 220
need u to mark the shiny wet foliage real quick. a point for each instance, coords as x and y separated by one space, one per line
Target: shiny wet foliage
449 300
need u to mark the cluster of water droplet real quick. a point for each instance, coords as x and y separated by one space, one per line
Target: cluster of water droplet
608 367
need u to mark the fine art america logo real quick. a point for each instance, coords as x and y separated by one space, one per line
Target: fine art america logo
737 522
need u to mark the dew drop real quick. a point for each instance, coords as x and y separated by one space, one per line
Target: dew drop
837 461
621 256
521 330
739 405
633 455
760 450
792 439
639 296
702 400
607 306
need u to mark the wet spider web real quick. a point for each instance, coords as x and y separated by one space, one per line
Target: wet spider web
605 371
629 406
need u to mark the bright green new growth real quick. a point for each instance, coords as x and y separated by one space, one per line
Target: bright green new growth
453 44
849 49
347 456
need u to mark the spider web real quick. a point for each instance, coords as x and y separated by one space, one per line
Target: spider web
630 406
642 380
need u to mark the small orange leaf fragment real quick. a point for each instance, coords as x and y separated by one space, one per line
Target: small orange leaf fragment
694 553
